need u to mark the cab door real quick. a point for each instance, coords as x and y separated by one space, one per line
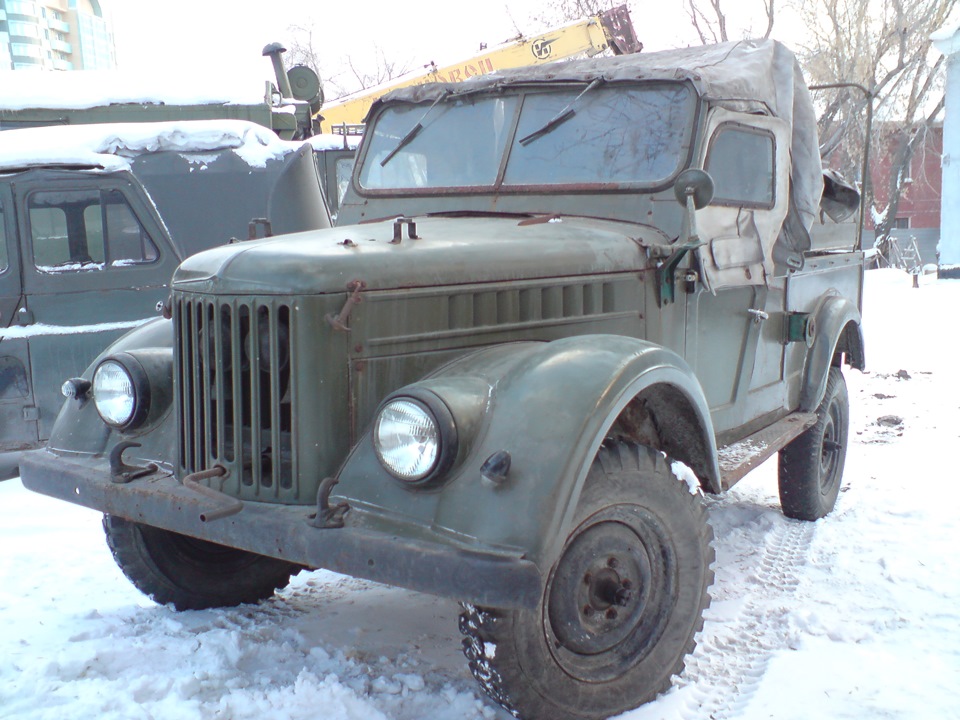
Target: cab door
734 324
18 427
96 263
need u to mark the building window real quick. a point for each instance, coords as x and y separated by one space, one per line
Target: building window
901 223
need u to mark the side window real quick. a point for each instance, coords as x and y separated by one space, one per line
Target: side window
127 241
4 260
86 230
741 162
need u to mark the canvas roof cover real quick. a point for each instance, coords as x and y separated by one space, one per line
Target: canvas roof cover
761 76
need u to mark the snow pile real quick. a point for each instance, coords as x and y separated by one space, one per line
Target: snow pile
110 145
332 141
79 89
849 618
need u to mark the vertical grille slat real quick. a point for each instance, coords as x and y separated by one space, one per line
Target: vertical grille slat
276 444
235 398
253 393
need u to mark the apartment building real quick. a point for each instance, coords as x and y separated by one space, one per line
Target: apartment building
55 35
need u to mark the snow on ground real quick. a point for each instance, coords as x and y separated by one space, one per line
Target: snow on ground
854 616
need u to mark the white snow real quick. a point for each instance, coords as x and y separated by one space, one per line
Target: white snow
852 617
109 145
38 329
685 474
332 141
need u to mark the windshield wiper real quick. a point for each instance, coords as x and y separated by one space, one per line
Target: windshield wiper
415 130
561 117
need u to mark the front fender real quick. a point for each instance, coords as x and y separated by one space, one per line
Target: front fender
550 406
838 329
78 428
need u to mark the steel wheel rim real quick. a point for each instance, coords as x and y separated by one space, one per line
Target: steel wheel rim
830 449
609 597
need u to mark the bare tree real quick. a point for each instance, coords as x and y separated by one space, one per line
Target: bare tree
569 10
300 48
710 19
346 75
885 46
366 75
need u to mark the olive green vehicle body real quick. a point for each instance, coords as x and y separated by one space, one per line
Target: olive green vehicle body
542 321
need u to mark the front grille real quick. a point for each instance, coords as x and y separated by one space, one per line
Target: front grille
235 394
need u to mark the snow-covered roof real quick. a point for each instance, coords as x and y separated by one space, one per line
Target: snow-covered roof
332 141
111 145
40 89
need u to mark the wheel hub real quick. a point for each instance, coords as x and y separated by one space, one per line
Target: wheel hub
600 590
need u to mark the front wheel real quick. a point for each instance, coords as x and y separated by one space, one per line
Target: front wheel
189 573
811 467
620 607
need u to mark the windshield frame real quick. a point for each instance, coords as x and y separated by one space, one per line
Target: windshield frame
687 145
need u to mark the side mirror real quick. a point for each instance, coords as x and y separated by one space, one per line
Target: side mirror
696 184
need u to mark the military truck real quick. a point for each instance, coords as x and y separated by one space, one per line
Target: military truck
552 292
94 220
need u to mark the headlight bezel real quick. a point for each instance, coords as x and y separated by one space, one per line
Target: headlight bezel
140 385
447 437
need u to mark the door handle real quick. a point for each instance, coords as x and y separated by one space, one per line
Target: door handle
758 315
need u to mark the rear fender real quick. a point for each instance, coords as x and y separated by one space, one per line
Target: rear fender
838 336
550 406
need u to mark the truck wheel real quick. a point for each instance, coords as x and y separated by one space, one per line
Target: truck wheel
811 467
189 573
620 607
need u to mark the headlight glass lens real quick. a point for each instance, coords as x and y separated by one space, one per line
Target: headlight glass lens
114 393
407 439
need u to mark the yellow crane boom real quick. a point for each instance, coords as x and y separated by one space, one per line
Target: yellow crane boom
611 29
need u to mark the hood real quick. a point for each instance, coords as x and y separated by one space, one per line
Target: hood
446 251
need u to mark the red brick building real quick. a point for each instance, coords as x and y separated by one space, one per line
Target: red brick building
918 213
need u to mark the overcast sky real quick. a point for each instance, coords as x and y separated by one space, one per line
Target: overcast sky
221 36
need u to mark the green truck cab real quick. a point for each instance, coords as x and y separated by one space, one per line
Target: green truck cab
551 293
94 219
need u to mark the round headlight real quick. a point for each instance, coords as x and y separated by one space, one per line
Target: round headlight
114 393
407 439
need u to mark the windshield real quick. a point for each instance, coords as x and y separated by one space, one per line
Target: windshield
604 135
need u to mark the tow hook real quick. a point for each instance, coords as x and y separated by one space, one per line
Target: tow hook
229 505
328 516
120 472
339 321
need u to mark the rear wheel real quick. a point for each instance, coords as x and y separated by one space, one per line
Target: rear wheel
811 467
189 573
620 607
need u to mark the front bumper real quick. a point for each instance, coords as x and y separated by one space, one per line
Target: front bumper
373 550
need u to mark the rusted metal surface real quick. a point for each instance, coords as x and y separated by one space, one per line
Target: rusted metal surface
738 459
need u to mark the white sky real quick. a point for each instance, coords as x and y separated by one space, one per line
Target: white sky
227 37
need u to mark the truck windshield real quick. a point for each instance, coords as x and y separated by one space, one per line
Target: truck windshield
611 135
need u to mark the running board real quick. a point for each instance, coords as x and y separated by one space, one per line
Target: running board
741 457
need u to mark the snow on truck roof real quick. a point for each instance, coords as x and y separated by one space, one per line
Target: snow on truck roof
110 146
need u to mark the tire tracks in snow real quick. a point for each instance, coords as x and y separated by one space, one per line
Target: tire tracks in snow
732 656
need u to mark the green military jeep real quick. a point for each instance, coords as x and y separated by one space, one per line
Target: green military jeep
552 291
